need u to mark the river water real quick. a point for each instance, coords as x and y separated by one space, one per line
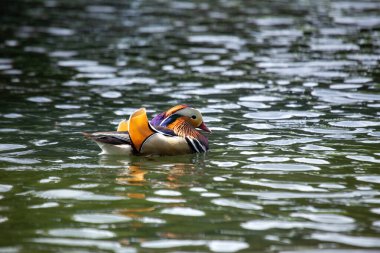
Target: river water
289 88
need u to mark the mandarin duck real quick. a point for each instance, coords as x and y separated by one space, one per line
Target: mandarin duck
169 133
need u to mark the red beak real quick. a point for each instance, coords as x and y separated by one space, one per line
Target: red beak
204 127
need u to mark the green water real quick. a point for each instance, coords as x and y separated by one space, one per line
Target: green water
289 88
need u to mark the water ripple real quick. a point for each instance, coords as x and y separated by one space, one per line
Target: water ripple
100 244
100 218
5 187
281 115
358 241
183 211
214 245
283 185
74 194
293 195
89 233
325 218
5 147
272 224
236 203
291 141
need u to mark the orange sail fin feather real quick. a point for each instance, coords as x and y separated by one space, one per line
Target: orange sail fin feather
123 126
139 129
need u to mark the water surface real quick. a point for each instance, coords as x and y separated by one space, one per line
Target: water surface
290 90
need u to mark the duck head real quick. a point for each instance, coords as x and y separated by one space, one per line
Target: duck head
193 116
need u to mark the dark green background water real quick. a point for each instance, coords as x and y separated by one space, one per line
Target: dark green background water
289 88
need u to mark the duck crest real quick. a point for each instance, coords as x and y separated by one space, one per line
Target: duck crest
159 118
175 109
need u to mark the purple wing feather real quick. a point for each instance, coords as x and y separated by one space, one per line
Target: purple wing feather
156 121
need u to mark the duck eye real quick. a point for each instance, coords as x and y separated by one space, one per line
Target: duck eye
193 117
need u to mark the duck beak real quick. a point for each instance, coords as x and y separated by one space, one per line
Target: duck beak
204 127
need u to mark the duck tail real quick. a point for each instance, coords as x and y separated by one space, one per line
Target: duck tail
114 138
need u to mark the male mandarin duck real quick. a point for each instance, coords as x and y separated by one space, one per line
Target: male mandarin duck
169 133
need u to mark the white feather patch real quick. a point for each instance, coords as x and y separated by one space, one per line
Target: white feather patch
109 149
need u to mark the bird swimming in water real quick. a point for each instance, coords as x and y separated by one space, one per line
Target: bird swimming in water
169 133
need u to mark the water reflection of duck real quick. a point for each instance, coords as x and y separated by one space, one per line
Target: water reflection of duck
132 176
135 173
169 133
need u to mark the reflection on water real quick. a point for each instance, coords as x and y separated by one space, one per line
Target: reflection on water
289 89
133 175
